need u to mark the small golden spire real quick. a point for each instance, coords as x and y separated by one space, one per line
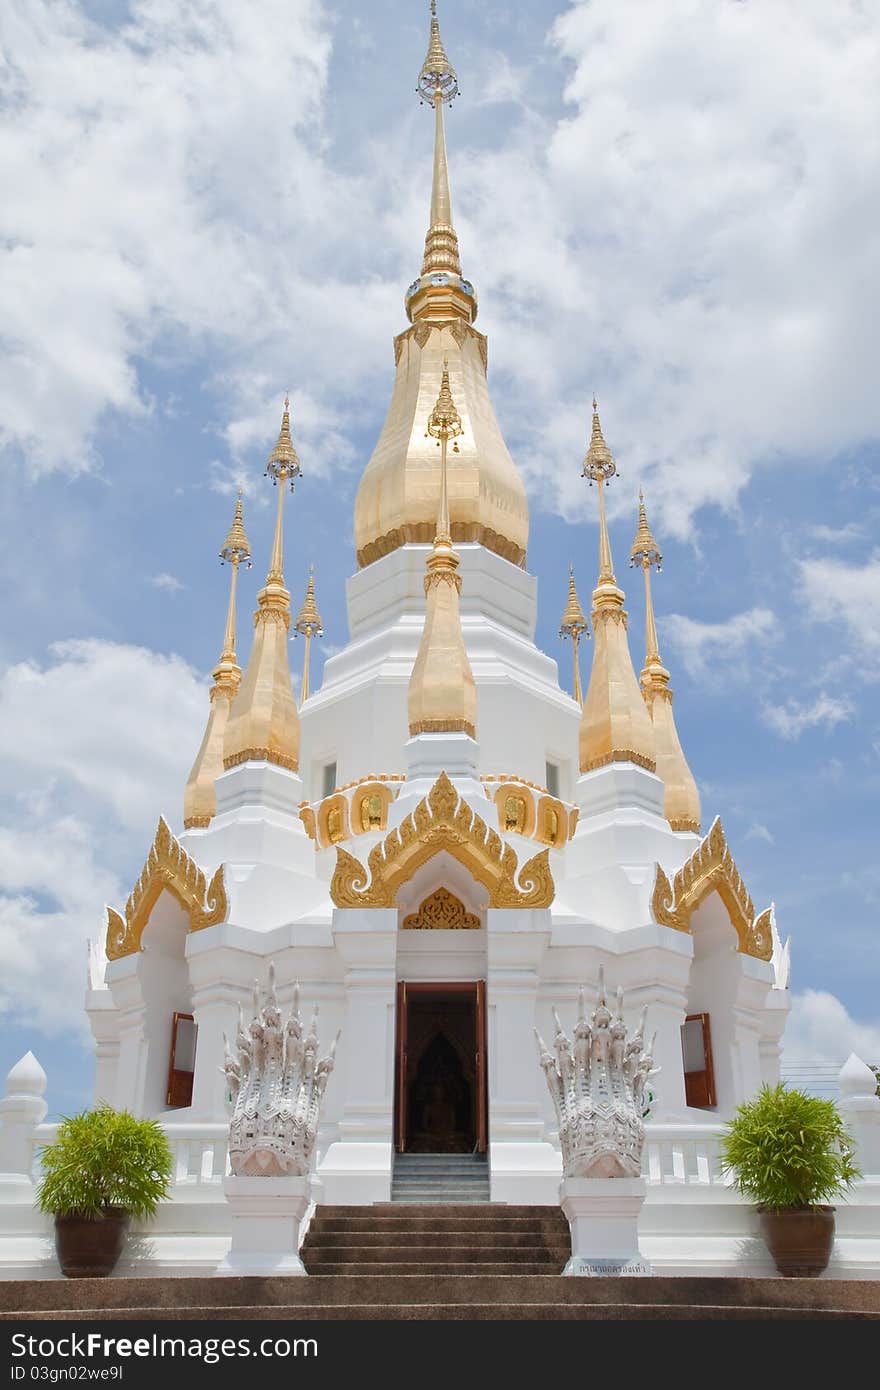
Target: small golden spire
308 625
263 722
615 724
575 626
442 695
600 468
681 800
199 797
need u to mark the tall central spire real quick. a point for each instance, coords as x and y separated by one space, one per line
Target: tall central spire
440 293
615 724
442 695
396 497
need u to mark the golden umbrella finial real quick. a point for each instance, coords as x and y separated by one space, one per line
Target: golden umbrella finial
308 625
575 626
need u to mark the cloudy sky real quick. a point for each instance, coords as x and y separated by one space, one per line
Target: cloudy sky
206 203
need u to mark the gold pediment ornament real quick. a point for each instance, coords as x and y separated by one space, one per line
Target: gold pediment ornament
711 868
442 821
168 866
441 911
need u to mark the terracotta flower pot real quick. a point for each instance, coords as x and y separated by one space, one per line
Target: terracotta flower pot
89 1248
799 1241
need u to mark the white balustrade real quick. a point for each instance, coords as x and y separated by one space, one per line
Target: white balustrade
682 1155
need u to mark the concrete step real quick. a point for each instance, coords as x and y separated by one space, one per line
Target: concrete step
313 1255
451 1294
437 1239
415 1221
469 1312
466 1267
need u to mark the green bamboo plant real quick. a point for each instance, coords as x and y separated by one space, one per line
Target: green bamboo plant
787 1150
105 1158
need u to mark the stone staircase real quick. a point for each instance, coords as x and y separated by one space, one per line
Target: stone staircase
455 1178
444 1239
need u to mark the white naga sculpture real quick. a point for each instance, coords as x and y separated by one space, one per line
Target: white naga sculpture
277 1085
597 1082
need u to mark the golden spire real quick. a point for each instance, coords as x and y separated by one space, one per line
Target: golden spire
575 626
442 695
440 292
615 724
681 801
199 797
308 625
263 723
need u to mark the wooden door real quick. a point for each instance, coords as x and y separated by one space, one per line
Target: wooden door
182 1061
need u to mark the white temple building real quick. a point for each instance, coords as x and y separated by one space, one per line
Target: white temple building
441 845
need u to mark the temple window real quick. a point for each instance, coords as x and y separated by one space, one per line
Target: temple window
182 1061
551 772
699 1073
328 778
371 812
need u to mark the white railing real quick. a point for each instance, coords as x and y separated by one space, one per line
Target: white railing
682 1155
200 1152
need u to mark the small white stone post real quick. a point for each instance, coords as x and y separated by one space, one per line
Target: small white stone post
266 1215
603 1214
21 1110
860 1107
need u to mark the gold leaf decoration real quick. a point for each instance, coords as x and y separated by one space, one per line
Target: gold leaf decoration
441 821
441 911
711 868
168 866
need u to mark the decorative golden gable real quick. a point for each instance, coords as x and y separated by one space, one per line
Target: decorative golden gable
711 868
168 866
442 821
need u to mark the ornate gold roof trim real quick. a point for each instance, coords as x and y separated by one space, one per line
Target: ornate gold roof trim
261 755
619 755
441 911
168 866
711 868
442 821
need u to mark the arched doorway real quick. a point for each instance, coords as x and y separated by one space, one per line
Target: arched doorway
440 1101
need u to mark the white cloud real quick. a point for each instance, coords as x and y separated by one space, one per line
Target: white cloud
167 582
819 1029
703 647
847 595
794 718
837 535
93 746
757 831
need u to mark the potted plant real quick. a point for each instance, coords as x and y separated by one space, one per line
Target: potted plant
104 1167
790 1153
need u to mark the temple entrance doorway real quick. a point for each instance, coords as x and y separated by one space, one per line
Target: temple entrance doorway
440 1092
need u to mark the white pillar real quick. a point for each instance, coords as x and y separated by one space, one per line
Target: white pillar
266 1214
21 1110
860 1108
524 1167
216 1000
357 1167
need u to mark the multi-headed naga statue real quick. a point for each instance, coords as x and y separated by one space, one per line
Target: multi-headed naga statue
597 1082
277 1085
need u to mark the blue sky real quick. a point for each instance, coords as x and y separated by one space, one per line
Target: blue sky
208 204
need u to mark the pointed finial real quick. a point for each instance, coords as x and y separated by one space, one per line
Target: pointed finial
437 80
599 463
645 550
236 547
308 622
283 462
573 623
